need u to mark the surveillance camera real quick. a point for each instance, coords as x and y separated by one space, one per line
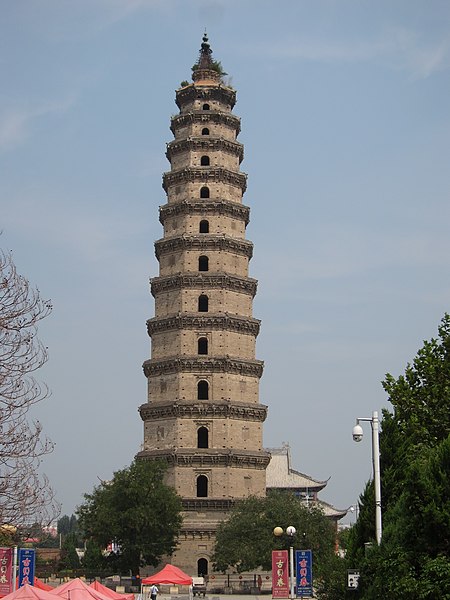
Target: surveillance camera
357 433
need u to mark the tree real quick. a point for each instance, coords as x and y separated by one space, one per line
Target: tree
25 495
137 512
417 532
93 559
69 525
69 558
421 415
64 525
245 541
413 559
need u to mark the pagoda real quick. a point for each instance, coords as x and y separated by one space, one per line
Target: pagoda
202 414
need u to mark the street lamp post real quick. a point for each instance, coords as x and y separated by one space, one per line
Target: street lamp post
354 508
357 437
290 531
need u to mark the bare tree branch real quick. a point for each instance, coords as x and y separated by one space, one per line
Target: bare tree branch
25 496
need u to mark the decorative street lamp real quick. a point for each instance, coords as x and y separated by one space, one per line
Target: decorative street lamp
290 531
354 508
357 437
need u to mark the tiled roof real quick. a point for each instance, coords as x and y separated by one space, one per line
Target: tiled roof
330 511
279 473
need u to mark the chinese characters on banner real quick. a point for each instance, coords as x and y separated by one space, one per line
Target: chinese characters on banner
6 562
303 563
26 566
280 574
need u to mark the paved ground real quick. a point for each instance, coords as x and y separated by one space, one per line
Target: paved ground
217 597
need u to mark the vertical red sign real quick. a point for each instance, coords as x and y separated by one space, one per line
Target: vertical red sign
280 574
6 561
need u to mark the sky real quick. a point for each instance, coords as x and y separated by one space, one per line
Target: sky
346 125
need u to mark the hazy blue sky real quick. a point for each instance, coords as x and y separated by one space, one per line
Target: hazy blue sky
345 110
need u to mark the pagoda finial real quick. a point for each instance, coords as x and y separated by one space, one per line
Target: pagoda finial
205 58
206 69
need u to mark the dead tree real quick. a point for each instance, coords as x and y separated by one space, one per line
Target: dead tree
25 495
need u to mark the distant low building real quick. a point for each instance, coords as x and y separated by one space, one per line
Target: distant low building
281 476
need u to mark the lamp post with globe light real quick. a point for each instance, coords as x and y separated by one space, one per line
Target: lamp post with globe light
354 508
290 532
357 437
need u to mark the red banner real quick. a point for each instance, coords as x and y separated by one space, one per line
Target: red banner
280 574
6 562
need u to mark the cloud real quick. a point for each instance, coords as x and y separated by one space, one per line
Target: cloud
113 11
82 19
409 50
399 47
16 123
86 233
336 252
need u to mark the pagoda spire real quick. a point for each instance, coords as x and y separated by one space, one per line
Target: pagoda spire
205 58
205 69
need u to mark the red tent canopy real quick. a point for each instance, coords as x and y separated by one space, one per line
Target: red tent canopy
170 574
96 585
75 589
29 592
41 585
38 583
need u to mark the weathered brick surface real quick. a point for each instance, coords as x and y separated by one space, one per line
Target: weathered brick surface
223 434
190 224
216 437
220 301
222 386
185 343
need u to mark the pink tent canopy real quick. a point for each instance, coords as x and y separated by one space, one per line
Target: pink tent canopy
41 585
96 585
37 583
169 574
75 589
29 592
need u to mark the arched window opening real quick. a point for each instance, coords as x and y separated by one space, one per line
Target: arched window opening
204 161
203 263
202 437
204 227
202 567
206 107
202 390
202 486
202 345
204 192
203 303
205 131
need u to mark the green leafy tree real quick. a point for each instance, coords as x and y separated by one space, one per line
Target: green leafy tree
93 559
64 525
417 532
73 524
421 397
245 541
69 558
69 525
137 511
413 559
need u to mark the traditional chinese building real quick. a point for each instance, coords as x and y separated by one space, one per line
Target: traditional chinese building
280 475
203 414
